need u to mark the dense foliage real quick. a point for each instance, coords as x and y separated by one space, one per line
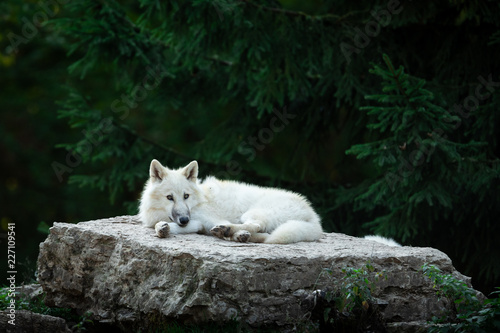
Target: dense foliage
428 168
269 92
469 314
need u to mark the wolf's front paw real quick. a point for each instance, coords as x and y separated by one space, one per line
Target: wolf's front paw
221 231
162 229
242 236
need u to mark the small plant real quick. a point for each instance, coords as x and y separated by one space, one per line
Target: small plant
356 287
84 321
350 305
471 314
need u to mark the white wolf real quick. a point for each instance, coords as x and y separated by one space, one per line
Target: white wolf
176 202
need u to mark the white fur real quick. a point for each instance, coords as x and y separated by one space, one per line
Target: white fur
382 240
251 213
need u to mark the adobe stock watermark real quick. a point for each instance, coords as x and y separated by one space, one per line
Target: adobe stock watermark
254 143
10 311
361 39
484 90
123 105
30 28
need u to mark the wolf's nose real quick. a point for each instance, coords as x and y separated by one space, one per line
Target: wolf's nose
184 220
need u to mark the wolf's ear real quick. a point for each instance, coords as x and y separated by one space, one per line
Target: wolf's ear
156 171
191 171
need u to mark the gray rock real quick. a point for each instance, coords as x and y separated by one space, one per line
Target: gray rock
122 273
411 327
27 321
29 292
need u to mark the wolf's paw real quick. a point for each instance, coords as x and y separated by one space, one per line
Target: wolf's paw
162 229
221 231
242 236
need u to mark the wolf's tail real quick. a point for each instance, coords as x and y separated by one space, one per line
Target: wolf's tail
294 231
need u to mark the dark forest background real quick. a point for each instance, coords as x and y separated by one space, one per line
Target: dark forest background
385 114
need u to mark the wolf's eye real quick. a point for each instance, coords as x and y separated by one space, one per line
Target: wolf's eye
169 197
186 196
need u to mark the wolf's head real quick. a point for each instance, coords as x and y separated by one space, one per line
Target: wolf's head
169 195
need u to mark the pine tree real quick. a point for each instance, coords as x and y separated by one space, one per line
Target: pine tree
432 179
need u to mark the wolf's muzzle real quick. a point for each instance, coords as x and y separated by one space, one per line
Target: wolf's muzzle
183 221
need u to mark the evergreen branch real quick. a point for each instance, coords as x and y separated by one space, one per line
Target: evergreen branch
398 82
151 142
286 11
154 41
142 138
140 31
219 61
250 174
302 14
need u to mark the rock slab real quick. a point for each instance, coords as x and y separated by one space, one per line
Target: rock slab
27 321
122 273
